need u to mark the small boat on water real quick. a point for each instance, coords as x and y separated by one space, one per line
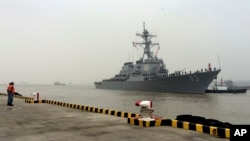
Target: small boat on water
224 87
235 90
57 83
149 73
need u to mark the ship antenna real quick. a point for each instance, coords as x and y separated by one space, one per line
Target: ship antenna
219 61
143 26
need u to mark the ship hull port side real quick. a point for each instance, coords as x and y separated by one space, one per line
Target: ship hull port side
183 83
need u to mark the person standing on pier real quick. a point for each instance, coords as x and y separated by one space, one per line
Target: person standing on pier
10 91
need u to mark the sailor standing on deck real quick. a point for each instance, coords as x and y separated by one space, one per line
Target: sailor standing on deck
10 91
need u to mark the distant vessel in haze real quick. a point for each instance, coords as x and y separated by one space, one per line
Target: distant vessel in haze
58 83
150 74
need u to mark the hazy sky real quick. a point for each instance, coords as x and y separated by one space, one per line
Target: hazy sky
82 41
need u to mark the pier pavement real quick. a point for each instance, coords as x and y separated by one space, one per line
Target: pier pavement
46 122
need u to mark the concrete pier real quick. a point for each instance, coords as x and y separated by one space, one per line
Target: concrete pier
46 122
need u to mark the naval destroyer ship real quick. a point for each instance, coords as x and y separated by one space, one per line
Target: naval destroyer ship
149 73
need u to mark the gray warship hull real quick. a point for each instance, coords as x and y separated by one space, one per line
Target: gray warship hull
149 73
186 83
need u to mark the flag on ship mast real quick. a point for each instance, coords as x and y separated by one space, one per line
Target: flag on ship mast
157 51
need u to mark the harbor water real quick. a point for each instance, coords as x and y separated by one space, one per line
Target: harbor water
233 108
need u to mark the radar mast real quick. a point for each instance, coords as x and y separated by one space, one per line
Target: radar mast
146 44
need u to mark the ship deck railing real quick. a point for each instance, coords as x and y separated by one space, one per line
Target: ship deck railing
151 76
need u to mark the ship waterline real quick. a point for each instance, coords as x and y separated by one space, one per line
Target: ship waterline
149 73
